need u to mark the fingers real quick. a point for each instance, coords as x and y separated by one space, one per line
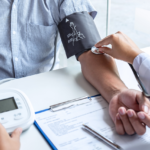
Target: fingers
144 103
128 98
106 41
106 50
3 132
119 126
125 121
145 118
136 123
16 134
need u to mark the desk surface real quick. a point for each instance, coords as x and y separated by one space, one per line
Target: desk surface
50 88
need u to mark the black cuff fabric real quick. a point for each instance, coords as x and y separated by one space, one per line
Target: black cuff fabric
78 33
80 53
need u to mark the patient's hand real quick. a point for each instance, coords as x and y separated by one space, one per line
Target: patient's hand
7 142
144 117
101 71
123 108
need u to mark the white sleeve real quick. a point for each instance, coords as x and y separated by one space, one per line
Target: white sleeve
142 66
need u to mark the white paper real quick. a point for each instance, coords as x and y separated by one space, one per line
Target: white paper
64 128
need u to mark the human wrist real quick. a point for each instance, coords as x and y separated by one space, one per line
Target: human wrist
134 55
107 74
116 92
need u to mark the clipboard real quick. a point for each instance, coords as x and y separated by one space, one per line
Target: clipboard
60 106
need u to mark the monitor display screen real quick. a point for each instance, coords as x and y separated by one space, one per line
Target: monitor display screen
7 105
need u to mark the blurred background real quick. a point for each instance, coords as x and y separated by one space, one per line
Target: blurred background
129 16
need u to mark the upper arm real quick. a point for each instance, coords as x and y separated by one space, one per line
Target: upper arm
62 8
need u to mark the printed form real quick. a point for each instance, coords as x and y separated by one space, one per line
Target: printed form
64 128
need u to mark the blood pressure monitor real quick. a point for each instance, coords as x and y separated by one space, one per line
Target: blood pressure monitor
15 110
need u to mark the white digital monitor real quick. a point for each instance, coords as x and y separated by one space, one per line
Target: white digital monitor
15 110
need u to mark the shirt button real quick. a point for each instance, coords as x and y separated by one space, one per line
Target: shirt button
16 59
14 32
14 7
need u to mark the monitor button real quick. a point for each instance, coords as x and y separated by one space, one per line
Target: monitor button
18 117
18 103
17 99
3 120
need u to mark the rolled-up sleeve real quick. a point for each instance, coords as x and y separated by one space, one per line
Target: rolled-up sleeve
63 8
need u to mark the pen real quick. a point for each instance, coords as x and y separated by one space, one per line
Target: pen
106 140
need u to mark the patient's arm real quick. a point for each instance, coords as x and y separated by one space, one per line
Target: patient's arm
101 71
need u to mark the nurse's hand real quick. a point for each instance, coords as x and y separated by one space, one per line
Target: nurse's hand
125 119
9 142
123 47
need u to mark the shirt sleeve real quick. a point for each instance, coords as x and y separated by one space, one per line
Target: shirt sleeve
142 66
63 8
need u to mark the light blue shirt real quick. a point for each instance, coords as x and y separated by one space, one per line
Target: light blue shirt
27 33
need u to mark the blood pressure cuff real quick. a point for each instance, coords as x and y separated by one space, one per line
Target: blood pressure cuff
78 33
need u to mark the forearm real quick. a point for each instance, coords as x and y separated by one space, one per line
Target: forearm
101 71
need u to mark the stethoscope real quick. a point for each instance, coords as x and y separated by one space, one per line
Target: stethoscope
140 82
95 51
53 65
55 51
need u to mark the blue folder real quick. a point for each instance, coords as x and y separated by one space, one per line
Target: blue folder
42 132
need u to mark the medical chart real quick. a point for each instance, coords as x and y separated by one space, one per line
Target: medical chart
64 128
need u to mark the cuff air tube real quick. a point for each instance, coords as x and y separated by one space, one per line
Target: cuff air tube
78 33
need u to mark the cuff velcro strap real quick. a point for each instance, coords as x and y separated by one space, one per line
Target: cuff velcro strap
78 33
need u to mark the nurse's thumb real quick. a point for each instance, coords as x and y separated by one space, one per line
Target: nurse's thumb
106 50
144 103
16 134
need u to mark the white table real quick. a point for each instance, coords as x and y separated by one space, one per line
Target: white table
50 88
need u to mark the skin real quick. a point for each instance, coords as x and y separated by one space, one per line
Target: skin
8 142
123 48
145 118
125 116
102 73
